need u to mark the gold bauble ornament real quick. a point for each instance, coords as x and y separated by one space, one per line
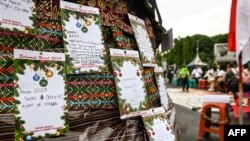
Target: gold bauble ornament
49 73
88 23
58 133
26 31
32 66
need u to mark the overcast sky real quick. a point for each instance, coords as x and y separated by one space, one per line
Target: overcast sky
189 17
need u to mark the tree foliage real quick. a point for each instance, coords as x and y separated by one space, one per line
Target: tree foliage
184 50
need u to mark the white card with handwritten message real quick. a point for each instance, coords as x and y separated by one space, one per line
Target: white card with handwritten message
143 41
16 14
40 92
158 128
85 50
162 87
131 89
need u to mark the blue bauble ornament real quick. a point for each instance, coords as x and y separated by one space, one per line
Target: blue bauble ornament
36 77
77 72
28 138
78 24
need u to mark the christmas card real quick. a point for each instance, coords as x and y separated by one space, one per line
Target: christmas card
158 128
40 106
17 15
131 89
91 91
84 45
162 87
143 41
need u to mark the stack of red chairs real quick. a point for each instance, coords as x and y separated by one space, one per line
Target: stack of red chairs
202 84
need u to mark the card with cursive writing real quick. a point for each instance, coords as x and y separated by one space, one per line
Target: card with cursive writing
17 14
162 87
83 41
40 106
91 91
131 90
143 41
158 128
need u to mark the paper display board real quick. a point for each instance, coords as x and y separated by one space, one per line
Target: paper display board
16 14
162 87
91 91
40 107
158 128
131 90
143 41
84 46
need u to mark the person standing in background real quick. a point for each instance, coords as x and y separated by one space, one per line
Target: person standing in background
170 75
184 75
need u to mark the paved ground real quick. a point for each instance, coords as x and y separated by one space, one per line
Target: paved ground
187 115
192 99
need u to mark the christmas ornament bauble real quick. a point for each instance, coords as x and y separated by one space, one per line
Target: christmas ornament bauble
49 73
88 23
78 24
77 72
43 82
84 29
28 138
58 133
32 66
36 77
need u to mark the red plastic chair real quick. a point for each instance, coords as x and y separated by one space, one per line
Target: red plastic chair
202 84
206 121
246 108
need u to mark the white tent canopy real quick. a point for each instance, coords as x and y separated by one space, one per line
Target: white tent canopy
197 61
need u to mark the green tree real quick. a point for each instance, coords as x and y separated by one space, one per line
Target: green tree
184 50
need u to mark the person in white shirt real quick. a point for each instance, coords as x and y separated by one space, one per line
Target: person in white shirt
220 79
210 75
235 69
197 73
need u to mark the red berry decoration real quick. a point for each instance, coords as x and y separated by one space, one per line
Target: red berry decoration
114 73
167 128
120 74
149 134
137 73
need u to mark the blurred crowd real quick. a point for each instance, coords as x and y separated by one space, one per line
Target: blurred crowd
220 77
